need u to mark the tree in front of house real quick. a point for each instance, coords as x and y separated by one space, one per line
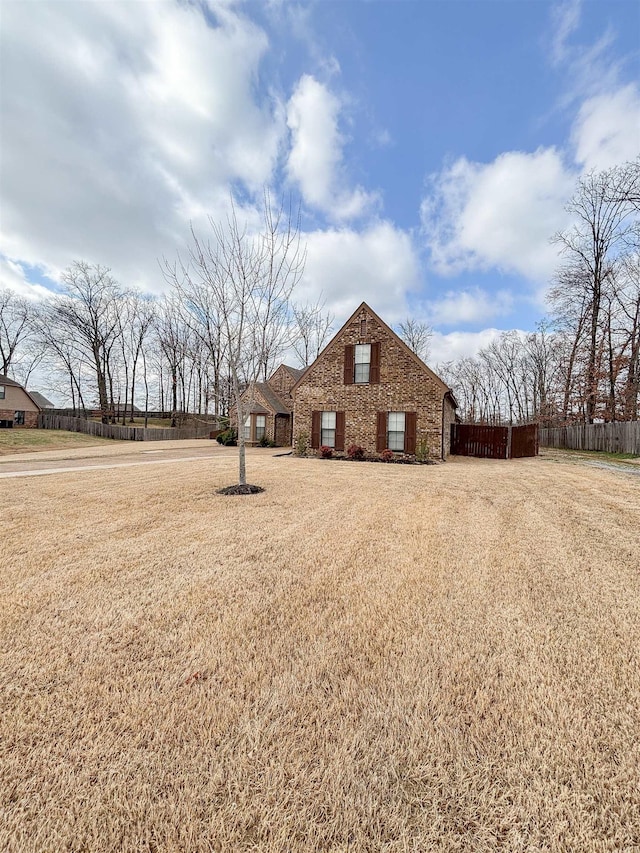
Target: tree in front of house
239 280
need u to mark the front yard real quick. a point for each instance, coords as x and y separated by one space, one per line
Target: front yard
361 658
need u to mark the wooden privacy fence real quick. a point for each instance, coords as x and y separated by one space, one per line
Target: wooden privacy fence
618 437
124 433
494 442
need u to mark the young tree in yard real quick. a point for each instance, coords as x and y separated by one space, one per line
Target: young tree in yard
242 280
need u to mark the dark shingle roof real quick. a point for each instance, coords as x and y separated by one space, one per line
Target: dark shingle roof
41 400
4 380
272 399
296 372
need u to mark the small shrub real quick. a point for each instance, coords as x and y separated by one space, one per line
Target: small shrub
422 450
266 442
325 452
387 455
302 444
227 438
355 451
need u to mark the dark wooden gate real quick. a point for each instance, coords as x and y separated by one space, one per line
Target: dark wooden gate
494 442
524 441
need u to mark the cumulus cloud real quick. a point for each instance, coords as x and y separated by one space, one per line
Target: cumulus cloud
607 129
468 306
13 277
128 120
378 265
456 345
315 161
497 215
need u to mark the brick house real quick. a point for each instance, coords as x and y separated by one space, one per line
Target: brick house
368 388
271 410
17 407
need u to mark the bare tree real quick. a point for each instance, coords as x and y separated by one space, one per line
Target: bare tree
312 327
417 336
243 280
15 326
603 218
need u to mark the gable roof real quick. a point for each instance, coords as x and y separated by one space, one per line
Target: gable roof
41 400
395 337
296 372
277 406
4 380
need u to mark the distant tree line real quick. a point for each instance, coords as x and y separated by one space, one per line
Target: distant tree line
582 364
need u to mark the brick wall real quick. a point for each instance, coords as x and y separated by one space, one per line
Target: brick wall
404 386
283 431
30 418
282 382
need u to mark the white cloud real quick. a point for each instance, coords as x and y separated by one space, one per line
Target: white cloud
123 121
456 345
607 129
12 277
565 19
316 158
378 265
468 306
498 215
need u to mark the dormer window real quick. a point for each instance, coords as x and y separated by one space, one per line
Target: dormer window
362 363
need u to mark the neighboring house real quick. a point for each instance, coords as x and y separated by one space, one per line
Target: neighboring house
17 406
41 400
368 388
271 407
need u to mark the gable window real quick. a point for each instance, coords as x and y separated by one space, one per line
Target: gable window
328 429
362 363
1 392
395 431
261 425
247 429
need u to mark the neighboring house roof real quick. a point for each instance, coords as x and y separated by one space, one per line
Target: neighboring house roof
273 401
41 400
296 372
4 380
417 359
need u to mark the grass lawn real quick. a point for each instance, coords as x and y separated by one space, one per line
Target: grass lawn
361 658
31 440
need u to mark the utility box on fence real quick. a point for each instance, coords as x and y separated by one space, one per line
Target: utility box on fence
494 442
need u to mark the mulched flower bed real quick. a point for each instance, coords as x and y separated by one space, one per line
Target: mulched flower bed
248 489
400 460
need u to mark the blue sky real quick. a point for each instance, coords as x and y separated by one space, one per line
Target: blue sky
433 145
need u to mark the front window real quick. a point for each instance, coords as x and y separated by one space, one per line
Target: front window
362 361
328 429
261 424
18 418
247 429
1 392
395 431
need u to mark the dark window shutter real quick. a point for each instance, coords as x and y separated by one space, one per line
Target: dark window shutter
374 368
339 431
349 352
381 432
315 429
409 432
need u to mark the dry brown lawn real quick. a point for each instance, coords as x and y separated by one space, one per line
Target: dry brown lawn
362 658
30 440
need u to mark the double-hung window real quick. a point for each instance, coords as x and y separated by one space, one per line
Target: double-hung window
328 429
395 431
362 363
1 392
261 425
247 429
